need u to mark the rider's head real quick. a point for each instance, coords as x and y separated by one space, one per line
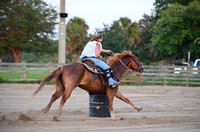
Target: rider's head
97 38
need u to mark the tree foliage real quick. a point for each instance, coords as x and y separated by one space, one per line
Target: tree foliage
143 49
176 31
26 25
114 38
161 5
76 35
120 35
130 29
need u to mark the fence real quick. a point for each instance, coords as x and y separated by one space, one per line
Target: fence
166 75
25 71
152 75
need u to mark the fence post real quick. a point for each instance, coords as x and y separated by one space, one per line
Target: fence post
163 69
187 80
50 69
140 79
24 70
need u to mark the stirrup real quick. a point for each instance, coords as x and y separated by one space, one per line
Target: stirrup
115 85
109 70
108 77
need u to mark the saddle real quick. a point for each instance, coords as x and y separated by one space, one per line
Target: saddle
91 67
96 70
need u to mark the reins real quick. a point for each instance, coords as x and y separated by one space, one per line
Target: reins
120 61
122 64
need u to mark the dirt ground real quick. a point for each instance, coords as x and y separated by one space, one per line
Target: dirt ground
165 108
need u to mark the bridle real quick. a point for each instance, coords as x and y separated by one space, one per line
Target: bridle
123 64
139 65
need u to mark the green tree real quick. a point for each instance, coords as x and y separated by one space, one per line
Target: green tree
176 31
114 38
76 31
131 29
26 25
120 35
143 50
161 5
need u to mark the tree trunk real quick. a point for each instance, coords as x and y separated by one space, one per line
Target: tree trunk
16 54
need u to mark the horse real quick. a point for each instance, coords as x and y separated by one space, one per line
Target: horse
73 75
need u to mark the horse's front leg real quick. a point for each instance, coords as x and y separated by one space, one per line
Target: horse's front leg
110 94
121 97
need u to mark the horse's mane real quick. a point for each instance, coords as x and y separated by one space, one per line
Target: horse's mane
113 59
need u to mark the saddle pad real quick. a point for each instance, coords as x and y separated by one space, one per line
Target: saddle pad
93 69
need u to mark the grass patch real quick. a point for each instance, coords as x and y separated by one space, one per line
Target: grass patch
36 75
39 76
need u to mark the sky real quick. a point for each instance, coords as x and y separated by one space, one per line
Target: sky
97 13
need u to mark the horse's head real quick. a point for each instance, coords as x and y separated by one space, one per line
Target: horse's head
127 59
134 64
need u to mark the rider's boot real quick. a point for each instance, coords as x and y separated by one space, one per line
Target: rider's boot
111 81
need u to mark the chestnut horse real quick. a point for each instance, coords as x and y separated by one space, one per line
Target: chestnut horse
70 76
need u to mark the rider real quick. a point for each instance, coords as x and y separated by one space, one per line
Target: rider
92 52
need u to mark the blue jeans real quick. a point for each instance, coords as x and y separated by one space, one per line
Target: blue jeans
98 62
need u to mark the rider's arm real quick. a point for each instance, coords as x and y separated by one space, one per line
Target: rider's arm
102 50
98 50
106 51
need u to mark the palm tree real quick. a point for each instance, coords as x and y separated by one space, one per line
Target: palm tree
76 32
131 29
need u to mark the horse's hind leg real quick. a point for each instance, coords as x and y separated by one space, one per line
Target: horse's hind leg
65 96
55 96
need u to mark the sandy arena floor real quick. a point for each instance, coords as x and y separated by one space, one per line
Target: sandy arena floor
165 108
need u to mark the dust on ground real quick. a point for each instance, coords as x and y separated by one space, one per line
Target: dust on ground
165 108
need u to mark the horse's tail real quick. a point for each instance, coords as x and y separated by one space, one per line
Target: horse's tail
54 75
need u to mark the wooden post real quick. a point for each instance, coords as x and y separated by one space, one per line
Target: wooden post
140 79
187 81
24 70
165 78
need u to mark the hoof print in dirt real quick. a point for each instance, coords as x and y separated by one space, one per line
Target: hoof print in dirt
24 117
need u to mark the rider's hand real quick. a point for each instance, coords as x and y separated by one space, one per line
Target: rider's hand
108 51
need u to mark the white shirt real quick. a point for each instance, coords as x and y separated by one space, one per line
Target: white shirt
90 49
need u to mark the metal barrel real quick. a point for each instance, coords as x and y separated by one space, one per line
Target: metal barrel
98 106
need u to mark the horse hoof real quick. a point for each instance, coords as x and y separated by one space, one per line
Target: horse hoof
141 109
44 111
55 118
115 119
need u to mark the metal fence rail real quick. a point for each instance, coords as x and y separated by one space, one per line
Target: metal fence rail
166 75
152 75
